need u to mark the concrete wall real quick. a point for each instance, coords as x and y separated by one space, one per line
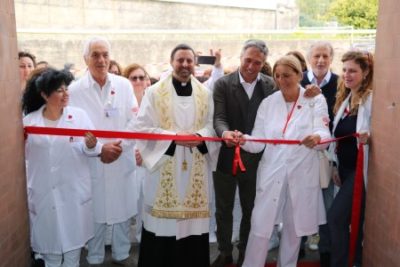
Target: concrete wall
382 227
140 31
14 232
153 50
145 14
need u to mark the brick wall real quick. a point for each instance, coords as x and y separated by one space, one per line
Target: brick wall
14 232
382 239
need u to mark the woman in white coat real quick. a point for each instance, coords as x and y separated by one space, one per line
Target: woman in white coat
288 189
58 179
352 114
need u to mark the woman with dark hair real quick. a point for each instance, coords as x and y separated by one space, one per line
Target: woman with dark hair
352 115
58 178
27 62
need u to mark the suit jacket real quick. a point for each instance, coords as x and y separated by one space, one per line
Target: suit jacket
233 110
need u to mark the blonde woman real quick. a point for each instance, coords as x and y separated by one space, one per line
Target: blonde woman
288 189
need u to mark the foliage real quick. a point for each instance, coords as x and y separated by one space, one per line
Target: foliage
312 13
361 14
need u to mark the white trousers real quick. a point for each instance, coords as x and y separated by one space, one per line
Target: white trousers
71 259
257 247
120 242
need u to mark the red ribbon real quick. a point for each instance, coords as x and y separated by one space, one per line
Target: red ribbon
237 161
115 134
357 204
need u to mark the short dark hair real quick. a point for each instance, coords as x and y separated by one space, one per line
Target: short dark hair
45 82
181 47
27 54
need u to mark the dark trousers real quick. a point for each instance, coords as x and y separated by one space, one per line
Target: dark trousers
166 251
324 244
339 219
225 188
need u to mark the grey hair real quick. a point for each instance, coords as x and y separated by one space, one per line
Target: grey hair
94 40
259 44
320 44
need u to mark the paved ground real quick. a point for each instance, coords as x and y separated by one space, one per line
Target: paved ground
310 255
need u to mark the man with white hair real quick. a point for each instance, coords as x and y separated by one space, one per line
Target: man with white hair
110 103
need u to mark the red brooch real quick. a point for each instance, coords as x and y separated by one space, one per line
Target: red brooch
326 121
69 117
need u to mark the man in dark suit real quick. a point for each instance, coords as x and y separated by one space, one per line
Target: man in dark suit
237 97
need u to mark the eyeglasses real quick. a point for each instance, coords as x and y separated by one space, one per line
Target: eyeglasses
135 78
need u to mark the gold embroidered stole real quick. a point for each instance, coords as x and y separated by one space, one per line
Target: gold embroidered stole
195 203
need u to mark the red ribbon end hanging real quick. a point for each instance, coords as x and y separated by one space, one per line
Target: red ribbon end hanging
356 205
237 161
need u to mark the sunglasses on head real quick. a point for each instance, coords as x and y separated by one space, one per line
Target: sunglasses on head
135 78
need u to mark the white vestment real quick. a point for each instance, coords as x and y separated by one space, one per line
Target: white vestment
176 200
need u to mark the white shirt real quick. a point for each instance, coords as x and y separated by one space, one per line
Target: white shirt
313 80
249 87
103 92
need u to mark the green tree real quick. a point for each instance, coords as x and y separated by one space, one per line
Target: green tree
361 14
312 13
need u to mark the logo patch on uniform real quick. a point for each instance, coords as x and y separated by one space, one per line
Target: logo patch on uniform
326 120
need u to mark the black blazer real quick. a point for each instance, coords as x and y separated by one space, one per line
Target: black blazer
233 110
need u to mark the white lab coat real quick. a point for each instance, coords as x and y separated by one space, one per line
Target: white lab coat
58 184
363 125
295 165
113 185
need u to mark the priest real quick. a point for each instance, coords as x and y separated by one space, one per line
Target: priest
176 193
